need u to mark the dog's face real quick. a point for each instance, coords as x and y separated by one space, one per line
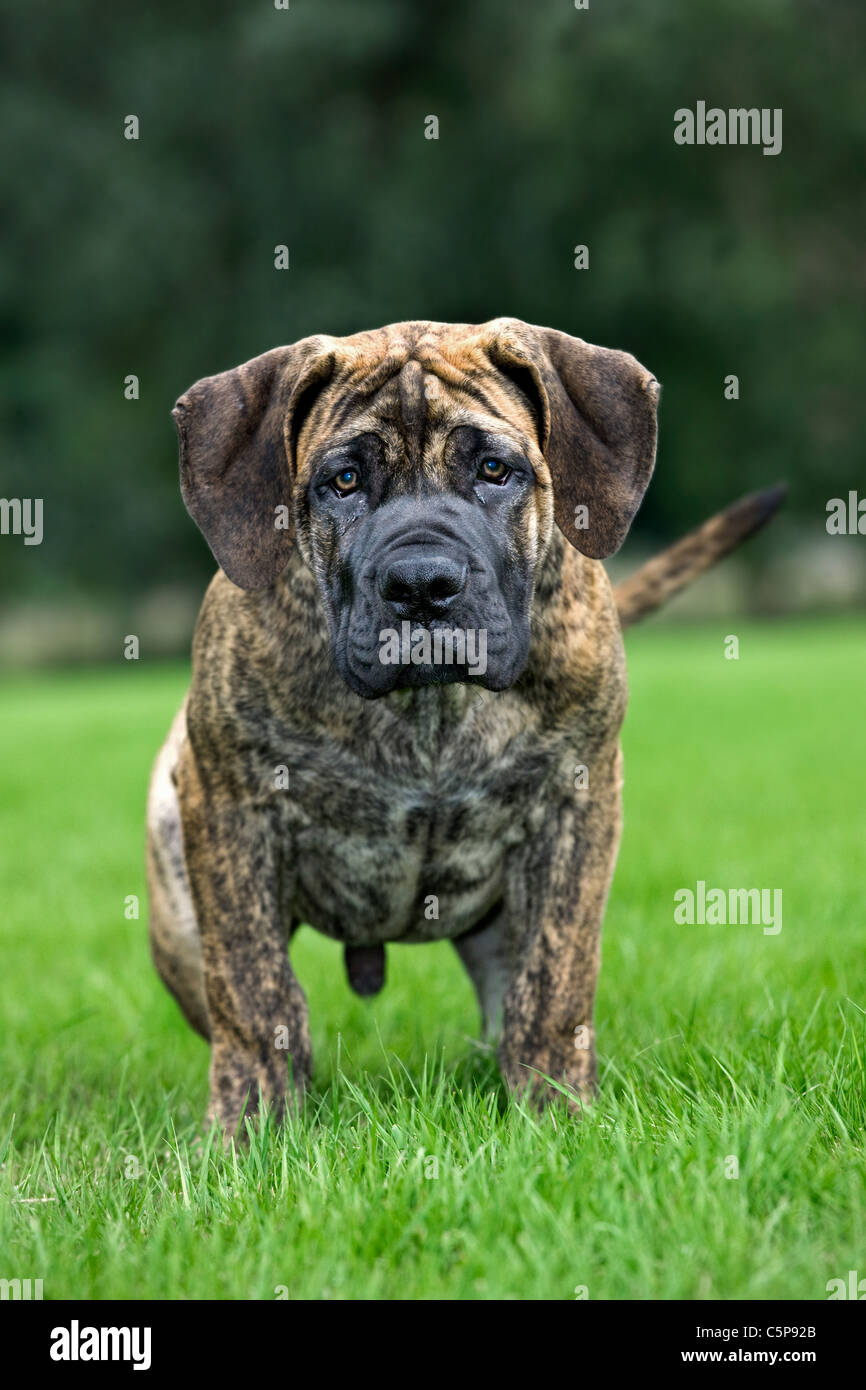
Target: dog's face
423 515
420 470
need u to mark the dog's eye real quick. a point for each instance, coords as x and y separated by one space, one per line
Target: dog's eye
346 482
494 471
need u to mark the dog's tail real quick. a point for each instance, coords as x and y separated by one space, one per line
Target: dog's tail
663 576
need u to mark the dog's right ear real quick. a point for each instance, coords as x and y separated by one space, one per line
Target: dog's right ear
237 435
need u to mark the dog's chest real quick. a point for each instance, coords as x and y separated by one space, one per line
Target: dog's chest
406 839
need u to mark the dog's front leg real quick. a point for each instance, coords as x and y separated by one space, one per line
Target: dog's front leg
556 893
258 1012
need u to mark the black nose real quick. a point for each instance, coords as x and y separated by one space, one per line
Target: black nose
422 585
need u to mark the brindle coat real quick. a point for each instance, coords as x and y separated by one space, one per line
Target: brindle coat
449 794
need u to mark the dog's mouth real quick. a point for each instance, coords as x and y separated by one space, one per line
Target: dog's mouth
410 654
437 652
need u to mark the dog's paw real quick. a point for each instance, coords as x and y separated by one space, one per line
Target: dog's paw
546 1085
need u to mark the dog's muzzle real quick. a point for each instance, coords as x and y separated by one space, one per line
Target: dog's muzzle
422 604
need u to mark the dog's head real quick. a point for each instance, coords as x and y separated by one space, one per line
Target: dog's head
420 470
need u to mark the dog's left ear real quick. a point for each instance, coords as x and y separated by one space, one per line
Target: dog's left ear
596 412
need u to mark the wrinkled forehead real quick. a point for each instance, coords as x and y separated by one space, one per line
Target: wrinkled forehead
413 393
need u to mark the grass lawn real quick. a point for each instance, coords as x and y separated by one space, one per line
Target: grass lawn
410 1174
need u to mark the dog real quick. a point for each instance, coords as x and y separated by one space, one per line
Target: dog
345 757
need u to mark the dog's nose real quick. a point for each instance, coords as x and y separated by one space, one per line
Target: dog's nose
422 584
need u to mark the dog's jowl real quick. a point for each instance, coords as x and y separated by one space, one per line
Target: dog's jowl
390 694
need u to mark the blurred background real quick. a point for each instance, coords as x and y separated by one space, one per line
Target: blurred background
306 127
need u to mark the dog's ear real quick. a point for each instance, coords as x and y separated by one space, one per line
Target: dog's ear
237 435
596 412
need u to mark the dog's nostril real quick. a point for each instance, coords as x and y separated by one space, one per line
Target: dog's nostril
423 581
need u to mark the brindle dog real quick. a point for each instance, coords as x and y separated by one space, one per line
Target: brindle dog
452 479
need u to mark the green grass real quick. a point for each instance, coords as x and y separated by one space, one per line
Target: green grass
411 1175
